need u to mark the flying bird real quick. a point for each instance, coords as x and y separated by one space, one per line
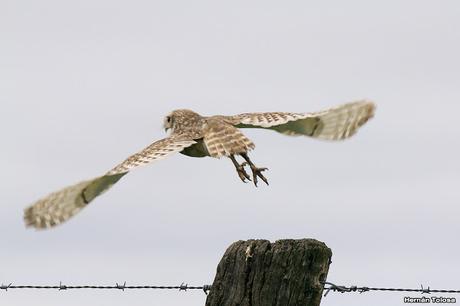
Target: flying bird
199 136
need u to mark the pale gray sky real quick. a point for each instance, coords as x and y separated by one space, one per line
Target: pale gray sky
83 84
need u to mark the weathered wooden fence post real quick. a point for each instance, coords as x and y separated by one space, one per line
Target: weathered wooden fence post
260 273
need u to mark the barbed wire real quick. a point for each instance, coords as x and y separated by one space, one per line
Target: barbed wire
328 286
117 286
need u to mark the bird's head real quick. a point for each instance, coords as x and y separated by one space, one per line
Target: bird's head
180 119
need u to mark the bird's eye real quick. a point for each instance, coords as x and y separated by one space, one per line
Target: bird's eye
168 119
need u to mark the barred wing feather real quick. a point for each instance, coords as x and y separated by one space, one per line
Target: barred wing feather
333 124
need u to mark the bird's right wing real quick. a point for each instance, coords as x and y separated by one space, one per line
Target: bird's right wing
333 124
61 205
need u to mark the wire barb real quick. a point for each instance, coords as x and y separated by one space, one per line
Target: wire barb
183 287
121 287
427 290
206 288
62 287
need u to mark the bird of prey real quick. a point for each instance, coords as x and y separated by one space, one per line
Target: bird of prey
199 136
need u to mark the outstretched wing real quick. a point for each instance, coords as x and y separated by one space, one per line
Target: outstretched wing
156 151
61 205
333 124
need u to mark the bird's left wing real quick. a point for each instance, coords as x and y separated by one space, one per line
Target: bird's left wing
336 123
61 205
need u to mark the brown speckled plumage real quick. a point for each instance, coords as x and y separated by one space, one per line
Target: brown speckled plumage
198 136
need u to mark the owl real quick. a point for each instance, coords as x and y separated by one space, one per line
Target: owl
198 136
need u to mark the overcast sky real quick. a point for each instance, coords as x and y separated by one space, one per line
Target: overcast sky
83 84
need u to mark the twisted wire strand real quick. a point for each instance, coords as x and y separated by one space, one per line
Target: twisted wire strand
328 286
182 287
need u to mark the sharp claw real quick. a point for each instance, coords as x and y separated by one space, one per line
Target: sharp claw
257 172
265 180
243 174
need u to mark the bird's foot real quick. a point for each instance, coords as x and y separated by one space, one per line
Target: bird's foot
256 172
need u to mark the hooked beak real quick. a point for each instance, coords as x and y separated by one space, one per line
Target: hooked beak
166 129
